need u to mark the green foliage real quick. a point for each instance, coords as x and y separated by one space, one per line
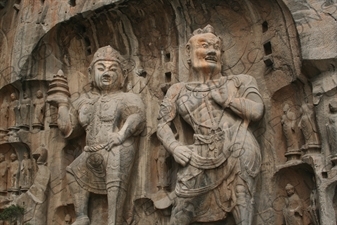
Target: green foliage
12 212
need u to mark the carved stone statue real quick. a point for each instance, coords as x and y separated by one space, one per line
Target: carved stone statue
218 171
25 112
26 170
313 208
67 220
293 209
3 173
162 168
331 127
39 111
308 127
13 112
4 115
13 173
112 119
288 122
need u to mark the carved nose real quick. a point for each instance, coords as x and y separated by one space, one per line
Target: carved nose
211 52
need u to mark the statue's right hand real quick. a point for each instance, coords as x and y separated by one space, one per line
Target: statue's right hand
182 155
63 119
57 98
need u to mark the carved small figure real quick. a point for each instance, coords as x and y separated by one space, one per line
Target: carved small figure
288 122
67 220
308 127
26 169
3 173
293 209
313 208
25 112
217 172
331 127
13 173
4 115
39 111
112 120
13 112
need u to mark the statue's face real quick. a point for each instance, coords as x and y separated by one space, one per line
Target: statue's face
205 53
13 157
107 75
39 94
290 191
13 96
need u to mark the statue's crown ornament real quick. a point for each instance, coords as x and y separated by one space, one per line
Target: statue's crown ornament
107 53
59 84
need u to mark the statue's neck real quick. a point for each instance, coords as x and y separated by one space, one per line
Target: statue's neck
202 77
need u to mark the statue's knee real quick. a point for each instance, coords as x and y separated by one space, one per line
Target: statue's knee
240 192
240 189
70 178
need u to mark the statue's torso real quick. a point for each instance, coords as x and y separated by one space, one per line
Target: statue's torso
101 116
196 105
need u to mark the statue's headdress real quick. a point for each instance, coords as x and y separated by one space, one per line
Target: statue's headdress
289 186
205 30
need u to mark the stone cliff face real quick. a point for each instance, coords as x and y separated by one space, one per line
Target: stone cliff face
288 46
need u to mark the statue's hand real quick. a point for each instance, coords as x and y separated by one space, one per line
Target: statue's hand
57 98
220 96
115 140
182 155
63 119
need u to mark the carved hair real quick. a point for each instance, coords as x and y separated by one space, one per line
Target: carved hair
205 30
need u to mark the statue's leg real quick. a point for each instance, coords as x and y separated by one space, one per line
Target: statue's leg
116 200
243 210
80 198
182 213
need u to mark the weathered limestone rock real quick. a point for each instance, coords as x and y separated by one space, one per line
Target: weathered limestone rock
276 55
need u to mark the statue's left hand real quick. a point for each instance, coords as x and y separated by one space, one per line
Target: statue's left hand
220 96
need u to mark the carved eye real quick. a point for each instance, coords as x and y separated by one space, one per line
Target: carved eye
204 45
100 69
318 94
216 46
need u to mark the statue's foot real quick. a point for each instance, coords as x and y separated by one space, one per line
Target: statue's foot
82 220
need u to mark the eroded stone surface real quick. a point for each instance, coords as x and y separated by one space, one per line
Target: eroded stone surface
288 49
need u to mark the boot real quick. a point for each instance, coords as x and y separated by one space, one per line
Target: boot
80 198
116 200
242 212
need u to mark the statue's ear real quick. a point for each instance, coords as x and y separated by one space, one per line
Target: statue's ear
89 74
188 53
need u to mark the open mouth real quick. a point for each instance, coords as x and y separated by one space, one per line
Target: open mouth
210 58
106 78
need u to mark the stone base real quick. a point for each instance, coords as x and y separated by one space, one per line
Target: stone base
293 155
312 149
334 160
37 127
24 127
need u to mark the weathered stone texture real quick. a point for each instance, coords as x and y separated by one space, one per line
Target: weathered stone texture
286 48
